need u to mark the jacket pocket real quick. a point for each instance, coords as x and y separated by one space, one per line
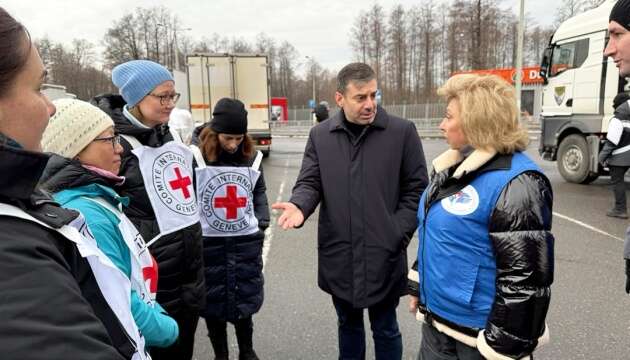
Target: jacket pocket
460 279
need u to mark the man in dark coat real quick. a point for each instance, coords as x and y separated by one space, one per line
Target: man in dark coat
616 153
618 48
367 170
321 112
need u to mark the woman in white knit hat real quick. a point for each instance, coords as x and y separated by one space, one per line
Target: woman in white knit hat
159 173
81 176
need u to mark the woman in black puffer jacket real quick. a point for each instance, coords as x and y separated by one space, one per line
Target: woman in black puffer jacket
233 227
141 116
485 259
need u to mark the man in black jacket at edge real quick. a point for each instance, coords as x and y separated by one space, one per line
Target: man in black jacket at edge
366 170
618 48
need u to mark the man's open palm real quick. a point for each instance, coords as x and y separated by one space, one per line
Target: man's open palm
291 215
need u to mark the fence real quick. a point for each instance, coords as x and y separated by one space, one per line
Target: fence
426 117
406 111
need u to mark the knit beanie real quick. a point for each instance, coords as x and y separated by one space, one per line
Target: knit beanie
621 13
73 127
229 117
137 78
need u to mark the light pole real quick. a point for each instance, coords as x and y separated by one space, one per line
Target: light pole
519 57
313 74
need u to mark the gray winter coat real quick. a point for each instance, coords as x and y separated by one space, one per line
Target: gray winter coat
369 188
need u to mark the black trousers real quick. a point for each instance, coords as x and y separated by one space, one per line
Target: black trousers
437 346
617 174
217 332
182 349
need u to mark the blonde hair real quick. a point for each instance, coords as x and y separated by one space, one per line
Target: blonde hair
488 112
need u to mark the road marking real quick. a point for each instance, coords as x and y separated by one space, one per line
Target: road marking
592 228
272 222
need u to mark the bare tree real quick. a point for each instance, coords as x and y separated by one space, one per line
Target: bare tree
360 37
74 67
287 56
378 31
397 50
591 4
149 33
567 9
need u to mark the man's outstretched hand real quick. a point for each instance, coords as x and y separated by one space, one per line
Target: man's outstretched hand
291 217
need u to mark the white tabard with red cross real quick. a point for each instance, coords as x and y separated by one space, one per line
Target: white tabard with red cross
226 204
167 175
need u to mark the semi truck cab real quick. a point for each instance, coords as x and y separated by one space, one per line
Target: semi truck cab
580 84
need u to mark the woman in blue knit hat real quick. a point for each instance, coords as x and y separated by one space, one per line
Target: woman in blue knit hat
159 184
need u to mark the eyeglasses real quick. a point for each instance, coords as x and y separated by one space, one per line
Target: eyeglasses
115 140
166 99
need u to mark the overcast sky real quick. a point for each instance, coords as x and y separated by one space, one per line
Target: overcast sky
316 28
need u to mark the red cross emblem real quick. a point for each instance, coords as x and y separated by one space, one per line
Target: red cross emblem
231 202
181 183
150 274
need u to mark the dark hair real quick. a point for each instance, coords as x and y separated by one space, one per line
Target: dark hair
13 48
354 72
210 147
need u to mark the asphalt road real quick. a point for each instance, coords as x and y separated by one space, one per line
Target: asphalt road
589 316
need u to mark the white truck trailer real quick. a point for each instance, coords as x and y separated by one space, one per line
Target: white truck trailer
245 77
577 98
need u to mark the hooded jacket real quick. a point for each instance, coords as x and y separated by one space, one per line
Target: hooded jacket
179 254
73 186
42 272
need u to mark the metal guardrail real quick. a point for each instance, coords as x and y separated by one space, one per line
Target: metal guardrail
406 111
295 124
426 117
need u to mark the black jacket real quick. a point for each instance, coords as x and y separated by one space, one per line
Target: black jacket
621 122
520 231
179 254
63 173
233 264
368 189
51 304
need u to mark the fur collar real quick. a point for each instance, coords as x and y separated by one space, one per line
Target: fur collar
473 162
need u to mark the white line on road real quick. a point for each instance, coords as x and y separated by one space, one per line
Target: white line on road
272 221
592 228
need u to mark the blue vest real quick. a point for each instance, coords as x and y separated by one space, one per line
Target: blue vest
456 261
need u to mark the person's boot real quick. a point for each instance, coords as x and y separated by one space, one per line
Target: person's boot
244 333
218 338
617 214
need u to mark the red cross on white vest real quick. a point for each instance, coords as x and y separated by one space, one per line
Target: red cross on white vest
150 274
181 183
231 202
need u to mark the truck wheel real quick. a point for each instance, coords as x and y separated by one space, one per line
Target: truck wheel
265 153
573 159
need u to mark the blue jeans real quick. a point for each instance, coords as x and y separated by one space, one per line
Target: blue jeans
387 338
